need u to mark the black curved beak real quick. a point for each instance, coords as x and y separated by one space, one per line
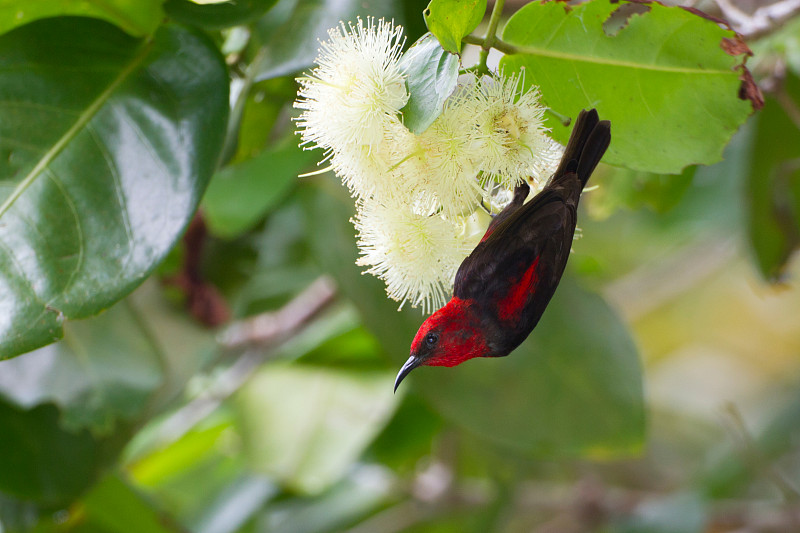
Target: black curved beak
411 364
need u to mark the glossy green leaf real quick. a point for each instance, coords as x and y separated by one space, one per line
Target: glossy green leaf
573 388
664 79
307 425
241 194
219 15
136 17
452 20
107 144
774 184
432 74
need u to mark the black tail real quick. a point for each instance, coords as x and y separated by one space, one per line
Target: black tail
588 142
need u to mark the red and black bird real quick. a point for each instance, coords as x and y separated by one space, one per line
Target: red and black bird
503 287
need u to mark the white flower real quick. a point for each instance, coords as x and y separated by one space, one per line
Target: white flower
355 88
418 196
416 255
376 171
511 142
447 166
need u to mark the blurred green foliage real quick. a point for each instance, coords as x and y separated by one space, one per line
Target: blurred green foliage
246 386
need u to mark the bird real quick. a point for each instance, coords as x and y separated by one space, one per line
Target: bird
502 288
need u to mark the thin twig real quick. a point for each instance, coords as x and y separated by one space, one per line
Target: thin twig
256 334
764 20
564 119
267 328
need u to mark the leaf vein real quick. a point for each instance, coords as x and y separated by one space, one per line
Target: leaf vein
81 243
73 131
118 190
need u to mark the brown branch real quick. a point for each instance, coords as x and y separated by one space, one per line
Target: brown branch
763 20
274 326
256 335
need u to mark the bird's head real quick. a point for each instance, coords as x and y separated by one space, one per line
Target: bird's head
448 337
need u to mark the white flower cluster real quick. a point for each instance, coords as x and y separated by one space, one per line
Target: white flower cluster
418 196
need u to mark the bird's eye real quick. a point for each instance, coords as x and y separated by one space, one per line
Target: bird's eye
431 339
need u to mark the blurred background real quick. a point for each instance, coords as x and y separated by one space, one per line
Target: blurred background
247 386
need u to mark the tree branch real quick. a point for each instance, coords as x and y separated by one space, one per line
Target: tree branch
763 20
255 335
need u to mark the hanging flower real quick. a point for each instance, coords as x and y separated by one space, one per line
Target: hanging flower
511 141
416 255
355 88
421 199
449 167
376 170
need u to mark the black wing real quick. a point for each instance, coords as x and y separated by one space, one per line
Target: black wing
542 228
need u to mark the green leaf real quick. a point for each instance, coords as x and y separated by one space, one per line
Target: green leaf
136 17
408 436
64 398
290 34
217 16
663 79
307 425
107 144
573 388
105 368
113 506
634 189
432 75
452 20
45 463
187 475
773 183
241 194
259 108
109 368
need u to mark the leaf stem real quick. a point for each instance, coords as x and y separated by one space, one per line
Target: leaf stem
488 41
565 120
